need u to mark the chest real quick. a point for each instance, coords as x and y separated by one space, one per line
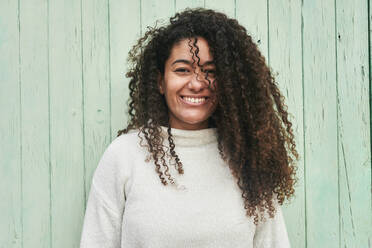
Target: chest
206 211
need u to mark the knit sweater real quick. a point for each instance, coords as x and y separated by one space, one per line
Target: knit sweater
129 207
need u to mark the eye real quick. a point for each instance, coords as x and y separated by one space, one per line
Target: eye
210 72
182 70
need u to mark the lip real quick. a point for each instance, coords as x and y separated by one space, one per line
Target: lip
194 103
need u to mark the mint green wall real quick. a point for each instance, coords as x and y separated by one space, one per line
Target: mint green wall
63 95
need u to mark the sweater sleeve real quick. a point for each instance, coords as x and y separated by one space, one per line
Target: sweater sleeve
105 205
272 232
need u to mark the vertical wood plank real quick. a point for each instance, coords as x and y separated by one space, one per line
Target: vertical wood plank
96 81
10 128
66 105
285 48
35 123
225 6
124 30
321 170
353 123
370 90
182 4
253 16
153 11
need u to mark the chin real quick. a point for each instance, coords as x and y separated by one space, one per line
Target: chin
193 121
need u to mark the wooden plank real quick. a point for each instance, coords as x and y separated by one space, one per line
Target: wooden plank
96 81
35 123
66 115
124 30
285 50
10 128
353 123
156 13
182 4
253 16
225 6
320 117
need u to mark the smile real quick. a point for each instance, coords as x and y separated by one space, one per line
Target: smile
194 100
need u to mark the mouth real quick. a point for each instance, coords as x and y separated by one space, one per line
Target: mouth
194 101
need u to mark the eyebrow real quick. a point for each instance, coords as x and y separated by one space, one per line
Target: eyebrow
189 62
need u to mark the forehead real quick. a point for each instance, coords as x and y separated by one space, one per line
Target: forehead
181 50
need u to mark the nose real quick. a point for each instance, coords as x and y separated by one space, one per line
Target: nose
197 82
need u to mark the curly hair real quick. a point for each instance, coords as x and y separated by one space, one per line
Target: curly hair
255 137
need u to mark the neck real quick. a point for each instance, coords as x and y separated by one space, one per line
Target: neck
187 126
186 137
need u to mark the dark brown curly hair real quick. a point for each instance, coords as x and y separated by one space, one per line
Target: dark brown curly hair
254 135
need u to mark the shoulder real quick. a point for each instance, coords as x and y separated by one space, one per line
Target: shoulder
124 144
116 160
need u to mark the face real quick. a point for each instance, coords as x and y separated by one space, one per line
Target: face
185 87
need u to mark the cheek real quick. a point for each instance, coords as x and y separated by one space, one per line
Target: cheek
171 97
172 86
171 100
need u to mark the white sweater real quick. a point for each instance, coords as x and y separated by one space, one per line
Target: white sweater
129 207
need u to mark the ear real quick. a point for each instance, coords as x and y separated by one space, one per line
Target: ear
160 83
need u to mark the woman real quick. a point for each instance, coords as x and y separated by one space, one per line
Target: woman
207 157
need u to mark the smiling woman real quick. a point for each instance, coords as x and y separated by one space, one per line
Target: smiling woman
189 95
208 155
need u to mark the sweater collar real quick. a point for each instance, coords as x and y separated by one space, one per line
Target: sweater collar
183 137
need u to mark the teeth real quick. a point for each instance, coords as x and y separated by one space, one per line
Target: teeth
194 100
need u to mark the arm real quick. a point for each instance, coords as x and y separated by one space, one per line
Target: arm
105 206
272 232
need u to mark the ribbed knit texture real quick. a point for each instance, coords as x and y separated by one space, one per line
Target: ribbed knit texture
129 207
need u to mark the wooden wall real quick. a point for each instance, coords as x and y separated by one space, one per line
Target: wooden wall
63 98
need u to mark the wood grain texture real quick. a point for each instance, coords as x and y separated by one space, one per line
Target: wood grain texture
66 114
225 6
285 49
96 81
10 128
254 17
182 4
354 152
320 117
370 99
156 13
124 30
35 123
